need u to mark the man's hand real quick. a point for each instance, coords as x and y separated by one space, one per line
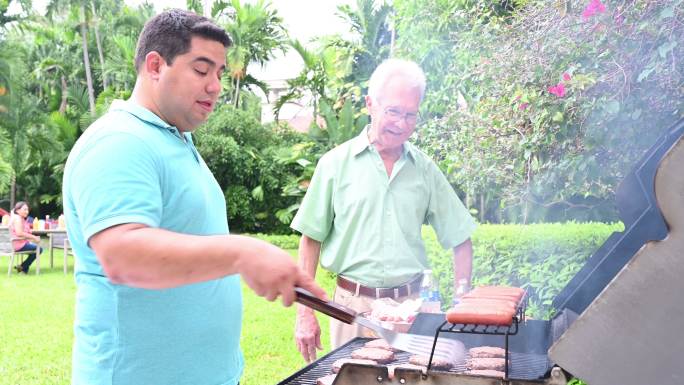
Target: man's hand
271 272
307 334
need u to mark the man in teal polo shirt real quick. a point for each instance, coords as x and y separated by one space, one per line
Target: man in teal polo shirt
365 206
158 293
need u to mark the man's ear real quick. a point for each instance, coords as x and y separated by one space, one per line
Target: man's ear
369 102
153 64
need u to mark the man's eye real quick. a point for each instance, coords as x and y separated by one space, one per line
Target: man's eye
394 112
203 73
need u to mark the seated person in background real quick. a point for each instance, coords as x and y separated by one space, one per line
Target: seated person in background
20 232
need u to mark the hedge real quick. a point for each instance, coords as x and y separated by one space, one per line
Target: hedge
541 258
288 242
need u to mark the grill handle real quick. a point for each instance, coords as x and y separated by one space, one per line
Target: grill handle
329 308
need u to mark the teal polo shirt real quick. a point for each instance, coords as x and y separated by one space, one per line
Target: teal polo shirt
370 223
131 167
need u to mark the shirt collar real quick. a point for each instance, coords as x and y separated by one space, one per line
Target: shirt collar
145 115
361 143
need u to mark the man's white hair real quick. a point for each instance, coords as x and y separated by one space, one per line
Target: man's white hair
395 67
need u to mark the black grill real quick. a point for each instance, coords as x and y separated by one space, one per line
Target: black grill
524 366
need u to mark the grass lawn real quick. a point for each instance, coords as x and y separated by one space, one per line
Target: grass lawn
36 320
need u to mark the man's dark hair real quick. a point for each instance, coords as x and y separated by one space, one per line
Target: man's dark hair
170 32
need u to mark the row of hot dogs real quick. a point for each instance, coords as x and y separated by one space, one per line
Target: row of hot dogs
487 305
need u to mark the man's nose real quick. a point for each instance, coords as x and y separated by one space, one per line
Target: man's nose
402 122
214 86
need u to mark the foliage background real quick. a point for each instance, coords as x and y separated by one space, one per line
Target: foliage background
519 152
245 157
516 149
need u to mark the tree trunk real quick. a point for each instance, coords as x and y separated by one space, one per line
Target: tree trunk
482 208
13 191
99 49
86 62
237 91
65 94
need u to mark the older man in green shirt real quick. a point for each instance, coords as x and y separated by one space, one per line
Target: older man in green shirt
368 198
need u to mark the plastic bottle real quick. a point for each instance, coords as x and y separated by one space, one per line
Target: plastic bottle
47 222
429 293
61 224
461 290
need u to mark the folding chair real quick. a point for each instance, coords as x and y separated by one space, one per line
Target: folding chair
7 249
60 241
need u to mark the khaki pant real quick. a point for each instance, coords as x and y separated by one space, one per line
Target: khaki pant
340 332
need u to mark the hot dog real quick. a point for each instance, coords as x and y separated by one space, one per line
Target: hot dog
476 301
514 293
482 315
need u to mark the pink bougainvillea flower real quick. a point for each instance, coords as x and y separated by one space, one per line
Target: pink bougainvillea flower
566 77
558 90
523 106
594 7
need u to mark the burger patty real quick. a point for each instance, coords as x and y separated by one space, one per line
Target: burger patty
376 354
380 343
487 352
487 364
436 363
486 373
327 380
337 365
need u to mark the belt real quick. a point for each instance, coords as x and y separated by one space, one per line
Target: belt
407 289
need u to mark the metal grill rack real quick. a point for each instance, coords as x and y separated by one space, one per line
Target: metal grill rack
506 331
309 374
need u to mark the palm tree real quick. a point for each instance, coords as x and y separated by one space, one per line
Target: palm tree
339 72
123 27
314 79
370 24
258 33
79 13
19 125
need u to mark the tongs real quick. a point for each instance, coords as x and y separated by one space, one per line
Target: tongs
446 349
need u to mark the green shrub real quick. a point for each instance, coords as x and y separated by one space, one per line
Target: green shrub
243 155
541 258
288 242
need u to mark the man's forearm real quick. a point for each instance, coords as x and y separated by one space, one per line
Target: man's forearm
153 258
463 262
309 252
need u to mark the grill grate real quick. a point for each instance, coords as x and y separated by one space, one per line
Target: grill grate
505 331
524 366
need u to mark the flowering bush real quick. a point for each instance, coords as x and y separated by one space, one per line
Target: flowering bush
537 112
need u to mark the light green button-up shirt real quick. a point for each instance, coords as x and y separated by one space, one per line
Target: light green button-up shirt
369 224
